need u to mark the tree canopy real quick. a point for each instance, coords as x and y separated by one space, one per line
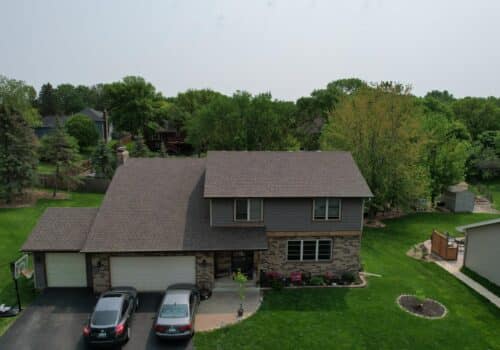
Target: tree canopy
61 149
18 159
243 122
83 129
380 126
134 105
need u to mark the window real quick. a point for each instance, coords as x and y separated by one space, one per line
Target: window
326 208
309 250
248 209
294 250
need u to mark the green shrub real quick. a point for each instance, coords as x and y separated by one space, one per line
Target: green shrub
348 277
317 281
277 285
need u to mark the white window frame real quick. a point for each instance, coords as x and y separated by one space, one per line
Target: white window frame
316 258
248 210
326 213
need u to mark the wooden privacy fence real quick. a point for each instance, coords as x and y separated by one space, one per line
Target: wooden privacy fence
443 247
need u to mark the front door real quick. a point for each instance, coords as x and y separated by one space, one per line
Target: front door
242 261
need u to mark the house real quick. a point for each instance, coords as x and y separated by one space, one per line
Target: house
458 198
169 220
172 138
100 119
482 249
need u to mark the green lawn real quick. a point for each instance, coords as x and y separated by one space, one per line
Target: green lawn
46 168
369 318
486 283
15 226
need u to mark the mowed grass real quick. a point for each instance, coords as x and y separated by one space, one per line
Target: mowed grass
15 226
369 318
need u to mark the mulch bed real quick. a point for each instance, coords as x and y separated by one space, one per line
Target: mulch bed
430 309
30 197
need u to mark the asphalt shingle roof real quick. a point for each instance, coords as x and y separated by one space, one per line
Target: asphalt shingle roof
283 174
157 204
61 229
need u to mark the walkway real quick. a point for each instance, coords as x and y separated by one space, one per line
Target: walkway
454 267
221 308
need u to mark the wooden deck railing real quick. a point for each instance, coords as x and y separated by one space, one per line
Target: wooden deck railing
443 247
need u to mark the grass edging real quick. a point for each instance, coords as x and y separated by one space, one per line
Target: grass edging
486 283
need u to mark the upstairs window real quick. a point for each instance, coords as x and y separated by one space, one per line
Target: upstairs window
326 208
249 209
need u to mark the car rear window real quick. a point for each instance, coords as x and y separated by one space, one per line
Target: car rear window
105 317
174 311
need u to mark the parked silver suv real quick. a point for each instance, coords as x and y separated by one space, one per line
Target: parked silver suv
176 316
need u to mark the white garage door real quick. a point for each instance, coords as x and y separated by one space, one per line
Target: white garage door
66 270
152 273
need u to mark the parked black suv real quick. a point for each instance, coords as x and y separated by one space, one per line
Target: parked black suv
110 320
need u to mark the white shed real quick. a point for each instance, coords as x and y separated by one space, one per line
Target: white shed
482 249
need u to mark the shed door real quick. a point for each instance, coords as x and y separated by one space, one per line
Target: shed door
152 273
66 270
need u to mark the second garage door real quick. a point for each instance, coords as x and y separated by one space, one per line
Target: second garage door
66 270
152 273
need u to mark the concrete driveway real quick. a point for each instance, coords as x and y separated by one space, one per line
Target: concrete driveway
55 321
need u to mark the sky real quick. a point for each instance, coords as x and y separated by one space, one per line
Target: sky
285 47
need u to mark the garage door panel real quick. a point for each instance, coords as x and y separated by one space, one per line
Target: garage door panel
154 273
66 270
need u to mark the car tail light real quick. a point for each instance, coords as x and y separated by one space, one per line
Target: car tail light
86 331
184 328
161 329
119 329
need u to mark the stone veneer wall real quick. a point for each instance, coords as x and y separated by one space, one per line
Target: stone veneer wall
345 255
101 277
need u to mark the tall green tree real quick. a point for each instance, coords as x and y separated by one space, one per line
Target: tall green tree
313 110
478 114
134 105
381 127
447 149
47 101
71 99
103 161
139 148
61 149
243 122
18 159
83 129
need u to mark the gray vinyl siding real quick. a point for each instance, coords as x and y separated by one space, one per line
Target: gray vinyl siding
459 202
482 252
293 214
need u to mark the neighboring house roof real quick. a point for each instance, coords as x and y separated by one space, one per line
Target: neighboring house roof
156 204
49 121
283 174
464 228
92 114
61 229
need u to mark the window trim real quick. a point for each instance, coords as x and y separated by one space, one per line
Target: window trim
301 255
326 209
248 219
